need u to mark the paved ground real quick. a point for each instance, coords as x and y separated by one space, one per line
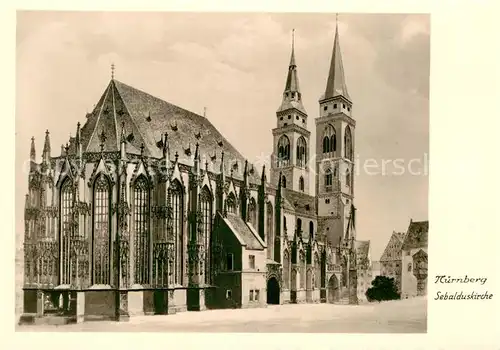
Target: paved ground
403 316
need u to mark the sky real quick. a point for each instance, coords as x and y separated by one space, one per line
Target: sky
235 66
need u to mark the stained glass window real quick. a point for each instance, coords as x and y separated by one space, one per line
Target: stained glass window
206 212
177 224
101 232
66 198
231 203
141 225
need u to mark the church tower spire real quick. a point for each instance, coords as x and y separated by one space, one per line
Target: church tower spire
291 137
336 85
335 135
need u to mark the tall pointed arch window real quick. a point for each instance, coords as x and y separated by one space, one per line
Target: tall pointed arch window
231 203
252 212
348 143
141 230
301 184
301 152
283 181
270 232
101 228
283 151
348 178
311 230
177 194
65 205
206 212
329 141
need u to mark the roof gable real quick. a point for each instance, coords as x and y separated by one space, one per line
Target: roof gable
417 235
243 232
392 251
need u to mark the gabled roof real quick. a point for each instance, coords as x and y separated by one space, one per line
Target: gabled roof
417 235
392 251
242 231
146 118
299 202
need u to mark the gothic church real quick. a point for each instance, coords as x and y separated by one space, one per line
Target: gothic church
148 209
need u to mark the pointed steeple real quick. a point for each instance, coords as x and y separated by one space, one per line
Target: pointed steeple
46 147
196 167
78 140
32 150
336 85
292 97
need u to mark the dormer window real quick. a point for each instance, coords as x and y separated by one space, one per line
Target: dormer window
343 105
325 108
334 105
348 109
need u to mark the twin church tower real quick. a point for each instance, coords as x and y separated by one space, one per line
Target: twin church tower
333 160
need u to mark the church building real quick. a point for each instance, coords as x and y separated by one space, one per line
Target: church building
149 210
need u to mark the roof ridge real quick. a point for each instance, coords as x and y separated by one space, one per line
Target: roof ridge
98 117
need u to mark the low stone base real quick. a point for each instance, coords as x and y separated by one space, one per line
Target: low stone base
52 320
196 299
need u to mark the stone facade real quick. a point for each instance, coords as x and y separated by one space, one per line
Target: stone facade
150 210
414 260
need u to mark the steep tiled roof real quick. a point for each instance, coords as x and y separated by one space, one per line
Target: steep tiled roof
300 203
244 232
146 118
392 251
417 235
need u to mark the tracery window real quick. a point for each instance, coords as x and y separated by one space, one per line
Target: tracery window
66 204
141 230
101 232
231 203
348 143
270 232
311 230
178 228
329 141
301 152
206 212
283 151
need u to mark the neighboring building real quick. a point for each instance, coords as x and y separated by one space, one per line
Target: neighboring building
390 261
364 269
150 210
414 260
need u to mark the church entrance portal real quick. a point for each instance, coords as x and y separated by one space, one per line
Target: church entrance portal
273 291
333 289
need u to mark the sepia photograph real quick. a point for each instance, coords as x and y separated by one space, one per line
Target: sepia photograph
222 172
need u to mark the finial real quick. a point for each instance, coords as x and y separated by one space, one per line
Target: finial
204 112
47 131
112 71
293 38
336 18
66 148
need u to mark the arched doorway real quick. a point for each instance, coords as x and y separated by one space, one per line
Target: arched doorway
333 289
273 291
